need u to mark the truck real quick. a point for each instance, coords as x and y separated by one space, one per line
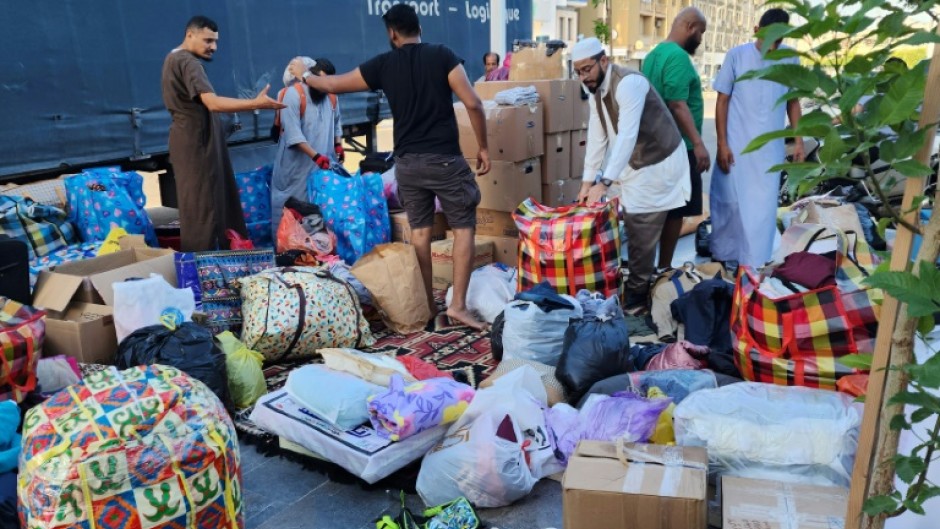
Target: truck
80 81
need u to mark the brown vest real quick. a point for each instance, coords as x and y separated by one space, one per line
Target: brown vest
658 136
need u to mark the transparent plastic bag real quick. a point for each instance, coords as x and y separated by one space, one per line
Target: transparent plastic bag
491 288
763 431
475 462
531 333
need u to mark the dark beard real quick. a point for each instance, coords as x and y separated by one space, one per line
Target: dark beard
690 47
600 82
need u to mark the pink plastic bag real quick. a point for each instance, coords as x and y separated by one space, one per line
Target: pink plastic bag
680 355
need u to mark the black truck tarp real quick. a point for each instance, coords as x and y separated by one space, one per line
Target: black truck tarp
80 79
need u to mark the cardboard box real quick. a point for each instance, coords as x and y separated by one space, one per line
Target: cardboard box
401 230
506 249
555 95
84 331
578 152
509 183
496 223
529 64
442 260
659 487
748 503
99 273
556 164
581 109
78 297
513 133
560 192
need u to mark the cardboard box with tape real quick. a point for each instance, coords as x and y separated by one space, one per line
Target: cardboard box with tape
442 260
556 95
401 230
750 503
578 152
636 485
505 249
556 164
509 183
79 295
496 223
513 133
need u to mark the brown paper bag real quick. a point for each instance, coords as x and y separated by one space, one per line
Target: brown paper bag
391 274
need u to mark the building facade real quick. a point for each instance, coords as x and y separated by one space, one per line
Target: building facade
639 25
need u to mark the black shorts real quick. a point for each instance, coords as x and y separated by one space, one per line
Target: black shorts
693 207
422 177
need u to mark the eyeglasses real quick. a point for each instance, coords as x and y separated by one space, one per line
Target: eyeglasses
584 71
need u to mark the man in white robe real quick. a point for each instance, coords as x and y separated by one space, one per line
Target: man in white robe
744 194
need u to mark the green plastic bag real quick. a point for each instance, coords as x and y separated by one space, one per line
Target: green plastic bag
245 378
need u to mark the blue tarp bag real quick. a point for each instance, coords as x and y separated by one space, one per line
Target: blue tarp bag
102 196
254 189
354 209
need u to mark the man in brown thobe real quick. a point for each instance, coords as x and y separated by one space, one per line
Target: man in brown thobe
205 182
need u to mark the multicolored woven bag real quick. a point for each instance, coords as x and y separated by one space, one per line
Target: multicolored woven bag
218 274
571 247
22 330
44 229
797 340
148 447
254 190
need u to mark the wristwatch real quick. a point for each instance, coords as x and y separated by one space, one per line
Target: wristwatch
607 181
306 75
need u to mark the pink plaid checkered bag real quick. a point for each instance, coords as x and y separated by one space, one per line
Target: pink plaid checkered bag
22 329
571 247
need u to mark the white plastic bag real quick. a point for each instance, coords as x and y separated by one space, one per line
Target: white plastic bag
533 334
56 372
491 288
780 433
337 397
146 302
474 462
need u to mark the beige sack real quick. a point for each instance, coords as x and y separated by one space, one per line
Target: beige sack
391 274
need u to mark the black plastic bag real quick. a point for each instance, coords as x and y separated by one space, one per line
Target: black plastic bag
496 336
703 234
190 348
594 349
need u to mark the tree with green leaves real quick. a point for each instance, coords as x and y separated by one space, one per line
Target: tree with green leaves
845 71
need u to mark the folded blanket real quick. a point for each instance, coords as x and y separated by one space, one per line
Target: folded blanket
403 411
522 95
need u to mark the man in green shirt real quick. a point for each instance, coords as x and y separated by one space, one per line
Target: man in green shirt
669 69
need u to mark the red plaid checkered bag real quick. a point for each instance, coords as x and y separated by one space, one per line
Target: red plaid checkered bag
22 329
571 247
798 339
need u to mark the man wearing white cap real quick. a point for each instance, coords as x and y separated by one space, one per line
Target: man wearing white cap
632 139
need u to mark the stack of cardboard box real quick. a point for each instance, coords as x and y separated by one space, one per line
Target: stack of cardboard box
565 139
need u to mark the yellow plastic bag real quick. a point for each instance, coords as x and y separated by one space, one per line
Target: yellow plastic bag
112 242
664 433
245 377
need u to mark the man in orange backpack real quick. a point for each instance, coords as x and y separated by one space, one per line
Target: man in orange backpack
309 135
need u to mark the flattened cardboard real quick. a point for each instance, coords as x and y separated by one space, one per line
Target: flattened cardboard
506 249
560 192
509 183
401 230
496 223
84 332
442 260
659 487
558 106
578 153
556 165
757 503
101 272
532 63
513 133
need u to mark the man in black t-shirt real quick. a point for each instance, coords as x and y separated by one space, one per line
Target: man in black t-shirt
420 81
